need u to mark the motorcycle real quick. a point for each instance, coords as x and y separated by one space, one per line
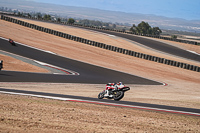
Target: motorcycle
12 42
115 91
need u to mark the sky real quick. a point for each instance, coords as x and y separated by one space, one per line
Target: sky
186 9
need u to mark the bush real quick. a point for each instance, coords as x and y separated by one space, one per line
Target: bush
174 36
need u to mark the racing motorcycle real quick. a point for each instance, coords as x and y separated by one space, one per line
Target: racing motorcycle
12 42
114 91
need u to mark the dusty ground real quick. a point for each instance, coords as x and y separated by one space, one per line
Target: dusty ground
183 89
27 114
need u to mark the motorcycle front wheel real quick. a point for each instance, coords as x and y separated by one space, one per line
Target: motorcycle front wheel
118 95
101 95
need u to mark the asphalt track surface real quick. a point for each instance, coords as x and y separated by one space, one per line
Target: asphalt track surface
136 105
88 73
157 45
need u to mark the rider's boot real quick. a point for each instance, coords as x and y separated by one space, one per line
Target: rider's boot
110 95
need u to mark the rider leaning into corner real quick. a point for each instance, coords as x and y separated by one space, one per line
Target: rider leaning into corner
11 42
114 90
111 86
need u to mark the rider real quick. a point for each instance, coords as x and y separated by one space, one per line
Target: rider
111 86
10 40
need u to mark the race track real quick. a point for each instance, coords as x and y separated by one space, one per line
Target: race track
87 73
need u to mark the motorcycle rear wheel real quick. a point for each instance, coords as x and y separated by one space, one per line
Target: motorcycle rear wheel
13 44
118 95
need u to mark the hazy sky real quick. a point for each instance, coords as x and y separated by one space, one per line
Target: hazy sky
187 9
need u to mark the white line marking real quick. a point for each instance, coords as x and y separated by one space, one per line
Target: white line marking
37 48
40 96
193 52
59 68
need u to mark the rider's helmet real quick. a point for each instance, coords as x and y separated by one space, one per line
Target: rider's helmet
120 83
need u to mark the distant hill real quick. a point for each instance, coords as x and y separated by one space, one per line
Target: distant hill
104 15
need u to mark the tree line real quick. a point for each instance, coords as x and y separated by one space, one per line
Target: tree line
88 22
145 28
141 28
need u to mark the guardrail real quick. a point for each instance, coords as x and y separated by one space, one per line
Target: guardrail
104 46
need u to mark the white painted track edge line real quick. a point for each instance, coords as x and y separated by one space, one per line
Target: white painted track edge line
193 52
40 96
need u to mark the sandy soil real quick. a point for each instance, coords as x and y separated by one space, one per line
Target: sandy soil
183 89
